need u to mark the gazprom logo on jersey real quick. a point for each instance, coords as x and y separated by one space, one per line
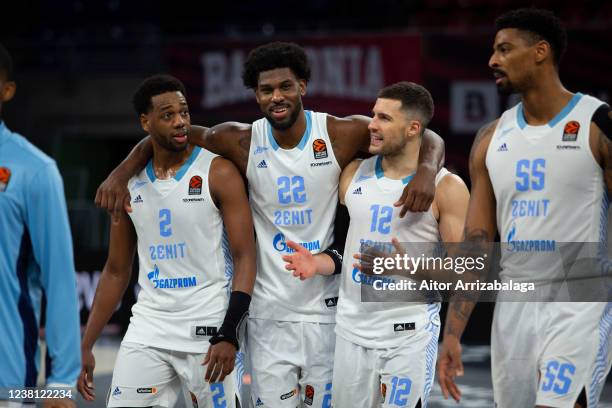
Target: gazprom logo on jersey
528 245
170 283
278 242
363 279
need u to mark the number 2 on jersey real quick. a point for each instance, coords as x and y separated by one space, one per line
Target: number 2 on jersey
165 218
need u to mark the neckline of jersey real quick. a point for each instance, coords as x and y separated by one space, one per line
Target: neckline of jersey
381 174
522 122
304 139
179 174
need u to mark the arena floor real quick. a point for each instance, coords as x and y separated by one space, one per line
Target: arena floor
475 385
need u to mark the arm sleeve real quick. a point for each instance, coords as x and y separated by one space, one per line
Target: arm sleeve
47 221
603 120
336 249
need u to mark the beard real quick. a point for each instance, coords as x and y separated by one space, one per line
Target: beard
506 88
287 123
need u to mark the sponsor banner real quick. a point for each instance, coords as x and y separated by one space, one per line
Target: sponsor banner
346 72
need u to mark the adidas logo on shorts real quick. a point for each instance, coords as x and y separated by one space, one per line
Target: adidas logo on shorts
357 191
400 327
262 165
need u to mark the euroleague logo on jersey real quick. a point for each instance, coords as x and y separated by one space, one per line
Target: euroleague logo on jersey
195 185
5 176
570 131
319 148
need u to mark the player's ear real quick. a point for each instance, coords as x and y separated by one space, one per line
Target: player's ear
542 51
302 86
414 128
144 122
8 91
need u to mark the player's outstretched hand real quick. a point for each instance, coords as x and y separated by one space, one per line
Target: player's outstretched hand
301 262
449 367
219 361
419 193
59 403
85 383
113 195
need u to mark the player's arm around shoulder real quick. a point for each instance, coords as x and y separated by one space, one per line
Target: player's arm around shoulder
231 140
346 177
229 193
349 136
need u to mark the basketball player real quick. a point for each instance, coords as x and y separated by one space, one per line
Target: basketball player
185 202
372 353
35 258
292 159
549 152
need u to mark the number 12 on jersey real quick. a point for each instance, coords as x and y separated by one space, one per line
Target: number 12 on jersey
381 218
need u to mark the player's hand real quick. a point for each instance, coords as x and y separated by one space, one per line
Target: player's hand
113 195
59 403
419 193
301 262
449 367
85 383
368 253
219 361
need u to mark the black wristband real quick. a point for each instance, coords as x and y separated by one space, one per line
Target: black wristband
237 311
336 257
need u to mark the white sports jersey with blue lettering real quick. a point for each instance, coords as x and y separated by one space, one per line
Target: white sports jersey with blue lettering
369 199
548 186
293 195
185 262
549 190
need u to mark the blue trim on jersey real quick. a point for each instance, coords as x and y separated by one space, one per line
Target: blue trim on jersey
150 172
181 172
305 136
431 351
407 179
380 173
378 167
520 115
601 361
194 154
565 111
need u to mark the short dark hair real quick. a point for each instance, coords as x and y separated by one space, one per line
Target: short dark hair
272 56
152 86
541 24
414 98
6 62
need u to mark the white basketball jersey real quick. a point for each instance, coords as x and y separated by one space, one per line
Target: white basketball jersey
185 262
369 199
293 195
548 187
